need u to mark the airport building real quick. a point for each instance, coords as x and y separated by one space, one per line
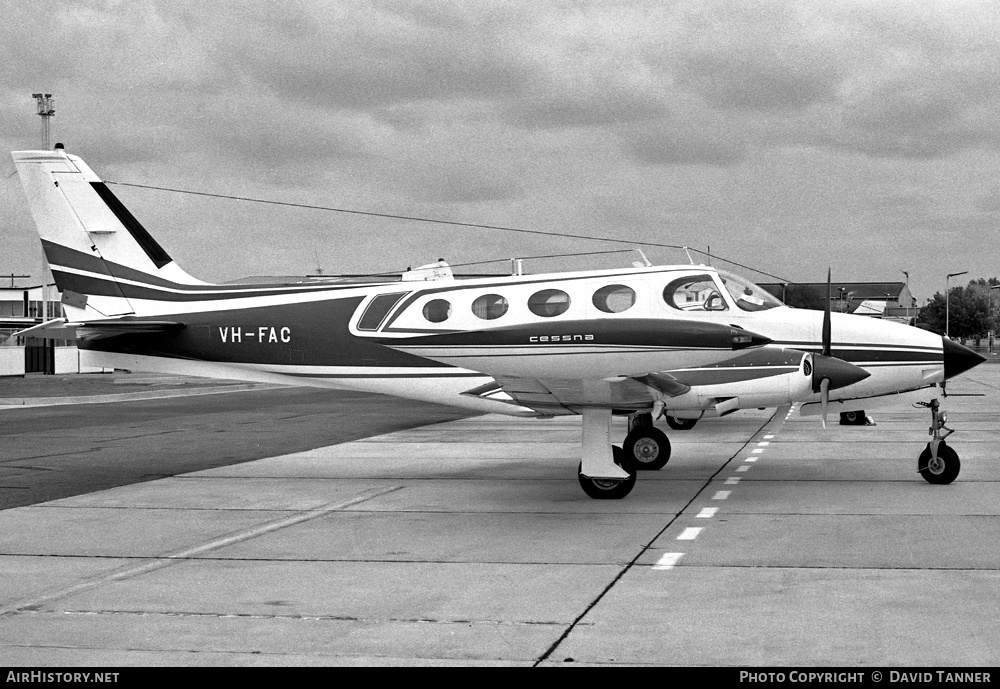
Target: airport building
888 300
20 308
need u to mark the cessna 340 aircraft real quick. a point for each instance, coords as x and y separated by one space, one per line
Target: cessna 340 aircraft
681 341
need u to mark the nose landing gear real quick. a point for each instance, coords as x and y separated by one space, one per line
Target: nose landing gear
938 463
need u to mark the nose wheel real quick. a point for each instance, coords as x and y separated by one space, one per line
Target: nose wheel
938 463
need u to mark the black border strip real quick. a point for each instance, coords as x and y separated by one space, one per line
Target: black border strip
153 250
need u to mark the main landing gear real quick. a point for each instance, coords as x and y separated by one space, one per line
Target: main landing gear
938 463
608 472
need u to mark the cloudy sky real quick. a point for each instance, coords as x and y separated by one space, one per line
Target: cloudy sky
789 136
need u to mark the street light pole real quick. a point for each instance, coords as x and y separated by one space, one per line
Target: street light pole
47 110
989 312
947 301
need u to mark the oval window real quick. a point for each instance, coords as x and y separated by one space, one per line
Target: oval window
437 310
614 298
490 306
548 303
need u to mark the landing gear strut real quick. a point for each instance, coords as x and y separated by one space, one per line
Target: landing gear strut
604 473
938 463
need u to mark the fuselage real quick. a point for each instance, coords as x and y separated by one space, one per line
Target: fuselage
437 340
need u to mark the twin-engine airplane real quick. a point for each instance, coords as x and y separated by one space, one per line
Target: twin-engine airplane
682 341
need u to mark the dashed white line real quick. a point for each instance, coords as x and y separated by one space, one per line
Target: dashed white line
743 467
668 560
690 533
732 480
707 512
763 443
750 459
721 495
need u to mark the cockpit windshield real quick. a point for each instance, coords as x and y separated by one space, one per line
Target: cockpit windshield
747 295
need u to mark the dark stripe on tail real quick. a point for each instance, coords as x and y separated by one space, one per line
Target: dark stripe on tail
156 254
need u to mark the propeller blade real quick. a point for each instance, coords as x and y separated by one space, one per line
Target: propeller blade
824 388
827 334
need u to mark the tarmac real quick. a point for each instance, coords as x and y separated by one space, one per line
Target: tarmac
39 390
766 541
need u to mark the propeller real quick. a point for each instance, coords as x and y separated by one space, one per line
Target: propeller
828 371
824 385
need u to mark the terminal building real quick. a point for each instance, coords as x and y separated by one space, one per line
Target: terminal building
888 300
21 308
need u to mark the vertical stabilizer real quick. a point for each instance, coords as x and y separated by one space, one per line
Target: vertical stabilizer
94 245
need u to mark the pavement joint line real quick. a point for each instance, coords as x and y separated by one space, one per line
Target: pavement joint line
30 402
169 559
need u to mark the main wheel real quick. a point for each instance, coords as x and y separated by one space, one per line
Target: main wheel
646 447
606 489
942 470
681 424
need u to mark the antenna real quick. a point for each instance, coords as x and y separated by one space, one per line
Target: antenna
47 110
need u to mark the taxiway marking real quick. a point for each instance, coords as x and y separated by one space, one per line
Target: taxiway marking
668 560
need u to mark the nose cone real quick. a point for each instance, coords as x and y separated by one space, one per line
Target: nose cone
841 373
958 359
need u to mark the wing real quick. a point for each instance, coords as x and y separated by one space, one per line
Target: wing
560 396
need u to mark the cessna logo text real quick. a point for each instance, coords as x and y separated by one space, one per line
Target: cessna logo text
560 338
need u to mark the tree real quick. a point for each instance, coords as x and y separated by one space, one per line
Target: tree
967 311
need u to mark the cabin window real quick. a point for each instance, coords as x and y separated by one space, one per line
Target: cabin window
548 303
490 306
694 293
437 310
378 308
614 298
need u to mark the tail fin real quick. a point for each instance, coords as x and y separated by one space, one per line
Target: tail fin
97 250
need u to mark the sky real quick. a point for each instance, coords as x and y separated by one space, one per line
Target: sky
790 137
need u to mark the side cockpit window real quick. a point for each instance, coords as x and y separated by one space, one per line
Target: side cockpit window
378 308
694 293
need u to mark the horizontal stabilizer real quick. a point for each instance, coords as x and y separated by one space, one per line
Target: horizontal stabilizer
61 329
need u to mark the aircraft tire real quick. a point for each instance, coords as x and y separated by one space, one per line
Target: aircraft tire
681 424
942 472
646 448
602 489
